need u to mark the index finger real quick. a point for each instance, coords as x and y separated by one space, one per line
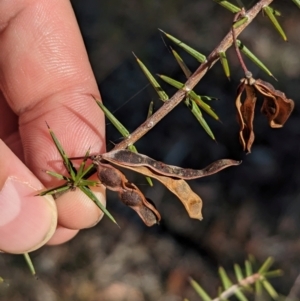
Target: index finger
46 76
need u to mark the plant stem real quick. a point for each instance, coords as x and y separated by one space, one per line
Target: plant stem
248 74
170 104
236 287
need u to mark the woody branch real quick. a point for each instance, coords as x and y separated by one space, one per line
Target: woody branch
194 79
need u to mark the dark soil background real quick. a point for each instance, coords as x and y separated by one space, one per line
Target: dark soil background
250 209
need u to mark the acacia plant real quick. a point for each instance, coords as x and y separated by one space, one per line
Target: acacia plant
276 106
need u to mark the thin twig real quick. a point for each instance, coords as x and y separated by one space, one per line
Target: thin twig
236 287
242 14
192 81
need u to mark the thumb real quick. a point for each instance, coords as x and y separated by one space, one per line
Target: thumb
27 221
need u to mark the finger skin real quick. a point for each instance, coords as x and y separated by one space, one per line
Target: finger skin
46 76
26 220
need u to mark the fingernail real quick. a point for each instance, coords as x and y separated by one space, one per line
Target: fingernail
26 221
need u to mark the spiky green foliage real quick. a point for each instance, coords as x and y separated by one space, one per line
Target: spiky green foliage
121 128
228 5
193 52
76 179
258 281
271 13
29 263
192 100
253 58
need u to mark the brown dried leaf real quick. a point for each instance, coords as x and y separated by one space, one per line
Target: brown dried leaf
276 106
246 114
127 159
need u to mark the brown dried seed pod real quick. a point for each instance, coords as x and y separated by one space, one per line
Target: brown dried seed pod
135 199
148 216
110 177
131 198
127 159
129 194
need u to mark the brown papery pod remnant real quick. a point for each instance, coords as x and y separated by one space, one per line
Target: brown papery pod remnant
190 200
245 114
276 106
126 159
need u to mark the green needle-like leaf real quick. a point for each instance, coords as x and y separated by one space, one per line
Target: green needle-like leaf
240 296
248 268
77 177
270 289
275 273
203 105
269 12
117 124
238 272
198 99
208 98
56 190
297 2
56 175
91 195
227 284
253 58
182 64
224 278
150 109
161 93
89 171
266 266
197 113
277 13
68 164
199 290
240 22
82 165
29 263
194 53
258 288
191 104
224 63
171 81
121 128
234 9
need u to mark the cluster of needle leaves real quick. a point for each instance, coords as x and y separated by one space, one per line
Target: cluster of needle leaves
247 281
77 178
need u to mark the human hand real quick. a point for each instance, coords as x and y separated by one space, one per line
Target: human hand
45 76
